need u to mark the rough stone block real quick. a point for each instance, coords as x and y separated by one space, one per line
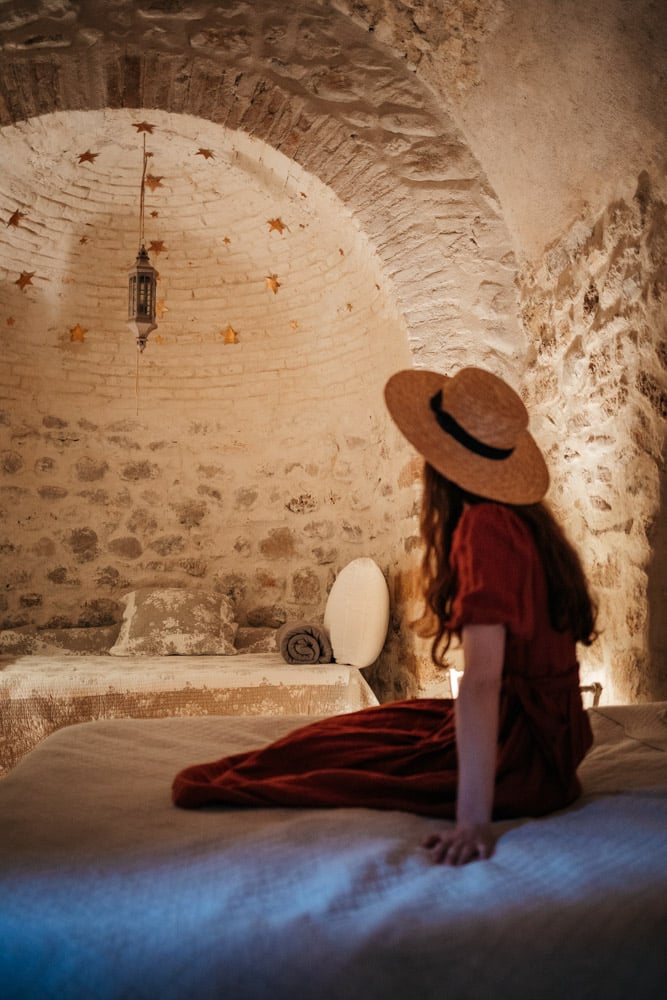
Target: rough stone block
89 469
267 616
306 587
191 513
84 544
127 547
52 492
11 462
279 544
168 544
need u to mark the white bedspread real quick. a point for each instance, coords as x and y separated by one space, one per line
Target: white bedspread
107 891
40 694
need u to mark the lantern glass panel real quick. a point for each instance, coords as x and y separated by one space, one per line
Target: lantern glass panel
145 299
132 297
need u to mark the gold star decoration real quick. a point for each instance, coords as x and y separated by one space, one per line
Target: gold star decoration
294 325
157 246
143 127
272 283
158 339
83 239
88 157
77 334
206 153
15 218
229 335
276 224
227 241
154 214
10 321
153 182
25 279
161 309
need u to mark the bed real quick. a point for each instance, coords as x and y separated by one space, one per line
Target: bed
109 892
180 652
40 694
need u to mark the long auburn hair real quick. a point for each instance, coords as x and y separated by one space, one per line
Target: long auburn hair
571 608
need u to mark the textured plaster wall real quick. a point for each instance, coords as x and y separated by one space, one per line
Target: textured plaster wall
461 182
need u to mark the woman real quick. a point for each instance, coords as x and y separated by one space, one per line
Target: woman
497 572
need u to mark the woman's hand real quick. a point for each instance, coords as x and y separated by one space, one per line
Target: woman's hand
461 844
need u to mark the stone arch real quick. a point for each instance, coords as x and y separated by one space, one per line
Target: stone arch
322 91
308 104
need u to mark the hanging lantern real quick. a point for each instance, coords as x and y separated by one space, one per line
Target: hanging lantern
141 298
142 280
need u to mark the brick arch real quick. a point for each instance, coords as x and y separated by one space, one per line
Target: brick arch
322 91
268 500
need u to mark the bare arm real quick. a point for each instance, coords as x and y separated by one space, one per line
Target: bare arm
476 738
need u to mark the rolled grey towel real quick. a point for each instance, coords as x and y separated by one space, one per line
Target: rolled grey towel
301 642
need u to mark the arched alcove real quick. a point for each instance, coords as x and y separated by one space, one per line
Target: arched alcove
395 246
248 447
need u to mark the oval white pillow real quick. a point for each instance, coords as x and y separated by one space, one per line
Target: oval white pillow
357 613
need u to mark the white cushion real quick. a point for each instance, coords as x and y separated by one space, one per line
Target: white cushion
357 613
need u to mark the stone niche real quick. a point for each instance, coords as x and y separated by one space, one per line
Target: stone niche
247 450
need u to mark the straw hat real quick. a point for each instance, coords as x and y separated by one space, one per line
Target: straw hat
472 428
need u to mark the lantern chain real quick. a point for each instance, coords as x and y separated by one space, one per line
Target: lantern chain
141 196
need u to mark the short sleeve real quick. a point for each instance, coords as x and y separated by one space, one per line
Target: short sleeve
493 559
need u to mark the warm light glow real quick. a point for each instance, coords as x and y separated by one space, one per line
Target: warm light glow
455 680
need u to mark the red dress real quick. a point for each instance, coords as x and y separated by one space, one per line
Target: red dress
403 755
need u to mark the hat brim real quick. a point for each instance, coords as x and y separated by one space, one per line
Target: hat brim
522 478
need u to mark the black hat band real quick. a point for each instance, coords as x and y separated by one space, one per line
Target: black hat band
450 426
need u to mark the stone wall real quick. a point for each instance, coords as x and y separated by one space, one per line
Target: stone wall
422 156
596 311
93 509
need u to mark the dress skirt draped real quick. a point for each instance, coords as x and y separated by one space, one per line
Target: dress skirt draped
402 755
